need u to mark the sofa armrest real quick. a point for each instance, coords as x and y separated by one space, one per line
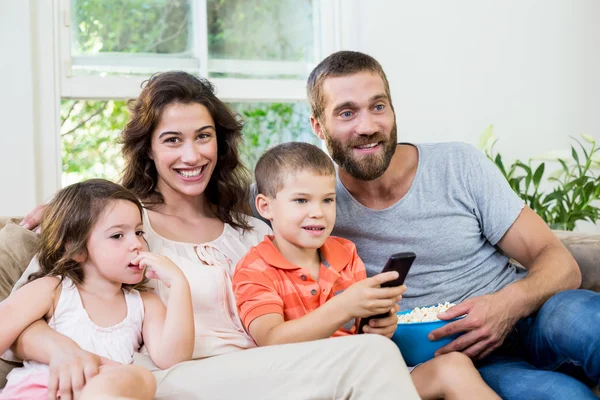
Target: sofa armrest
585 248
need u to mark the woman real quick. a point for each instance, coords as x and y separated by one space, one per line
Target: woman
181 152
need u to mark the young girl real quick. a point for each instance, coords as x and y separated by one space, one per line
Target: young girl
91 259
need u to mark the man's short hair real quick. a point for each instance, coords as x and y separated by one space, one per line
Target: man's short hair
284 160
341 63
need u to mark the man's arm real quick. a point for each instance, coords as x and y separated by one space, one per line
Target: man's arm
551 269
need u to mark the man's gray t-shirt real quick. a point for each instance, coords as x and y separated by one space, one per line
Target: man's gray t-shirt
458 207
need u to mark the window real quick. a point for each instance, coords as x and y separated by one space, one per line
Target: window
257 53
251 49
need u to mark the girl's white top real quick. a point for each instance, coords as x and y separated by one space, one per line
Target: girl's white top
117 343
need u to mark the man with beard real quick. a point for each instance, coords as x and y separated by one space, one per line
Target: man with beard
452 207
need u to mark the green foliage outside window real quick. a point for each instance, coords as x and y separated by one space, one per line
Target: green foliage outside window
90 139
260 29
131 26
267 125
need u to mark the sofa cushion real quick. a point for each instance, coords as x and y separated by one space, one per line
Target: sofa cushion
3 221
17 247
586 251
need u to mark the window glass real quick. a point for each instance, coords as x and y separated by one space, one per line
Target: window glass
261 38
111 37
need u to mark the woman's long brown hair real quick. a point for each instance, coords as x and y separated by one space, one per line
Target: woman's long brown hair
228 187
67 222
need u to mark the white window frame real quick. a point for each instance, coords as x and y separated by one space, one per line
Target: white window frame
328 34
340 23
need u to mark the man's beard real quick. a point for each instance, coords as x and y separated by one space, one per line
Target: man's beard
367 167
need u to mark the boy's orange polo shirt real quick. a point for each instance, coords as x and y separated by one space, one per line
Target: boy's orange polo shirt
265 282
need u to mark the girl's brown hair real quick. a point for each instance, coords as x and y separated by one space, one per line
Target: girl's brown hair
67 222
228 188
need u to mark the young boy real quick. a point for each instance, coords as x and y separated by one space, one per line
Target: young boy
302 284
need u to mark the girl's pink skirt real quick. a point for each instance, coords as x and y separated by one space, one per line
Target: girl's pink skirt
31 387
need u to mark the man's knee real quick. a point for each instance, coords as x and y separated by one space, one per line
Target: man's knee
569 309
571 301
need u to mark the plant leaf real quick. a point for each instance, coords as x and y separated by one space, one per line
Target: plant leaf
486 138
498 162
574 154
588 138
564 165
537 176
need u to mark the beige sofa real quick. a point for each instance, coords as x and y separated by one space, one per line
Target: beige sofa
17 246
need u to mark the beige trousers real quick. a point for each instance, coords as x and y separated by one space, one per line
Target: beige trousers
365 367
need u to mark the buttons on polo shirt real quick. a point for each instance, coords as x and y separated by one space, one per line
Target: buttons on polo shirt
303 277
313 292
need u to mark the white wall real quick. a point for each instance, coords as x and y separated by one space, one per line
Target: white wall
17 164
531 68
29 150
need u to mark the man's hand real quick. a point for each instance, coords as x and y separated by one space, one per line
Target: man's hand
33 219
487 323
367 298
384 326
70 369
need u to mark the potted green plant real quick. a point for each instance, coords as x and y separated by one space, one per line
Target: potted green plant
575 182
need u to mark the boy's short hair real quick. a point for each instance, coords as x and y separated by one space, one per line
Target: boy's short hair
277 163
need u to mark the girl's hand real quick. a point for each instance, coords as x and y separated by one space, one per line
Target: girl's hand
159 267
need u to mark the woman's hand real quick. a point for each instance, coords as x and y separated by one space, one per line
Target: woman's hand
70 368
159 267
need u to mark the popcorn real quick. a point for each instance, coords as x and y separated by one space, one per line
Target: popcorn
424 314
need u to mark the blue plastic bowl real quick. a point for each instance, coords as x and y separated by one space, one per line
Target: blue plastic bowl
413 343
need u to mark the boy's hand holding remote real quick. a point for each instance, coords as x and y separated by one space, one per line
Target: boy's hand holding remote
366 298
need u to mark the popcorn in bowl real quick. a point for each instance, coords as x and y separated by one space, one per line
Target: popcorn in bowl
424 314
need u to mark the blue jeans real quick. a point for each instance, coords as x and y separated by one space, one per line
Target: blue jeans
553 354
